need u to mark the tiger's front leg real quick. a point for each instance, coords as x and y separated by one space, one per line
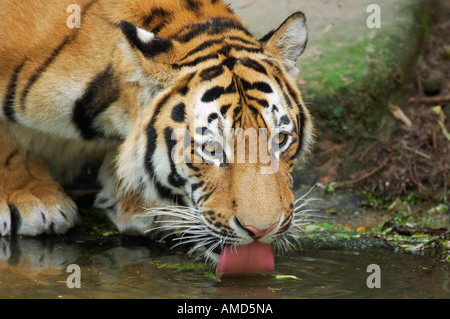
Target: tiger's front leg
31 202
127 212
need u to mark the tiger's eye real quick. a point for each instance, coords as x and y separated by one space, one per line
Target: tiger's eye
210 147
280 139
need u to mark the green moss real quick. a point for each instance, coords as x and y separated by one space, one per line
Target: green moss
180 266
357 70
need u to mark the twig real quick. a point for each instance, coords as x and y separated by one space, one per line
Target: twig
431 99
387 242
435 238
428 157
444 174
366 175
413 171
367 150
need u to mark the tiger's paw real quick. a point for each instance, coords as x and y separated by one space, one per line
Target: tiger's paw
40 207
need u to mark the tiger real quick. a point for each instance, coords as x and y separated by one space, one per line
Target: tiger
151 89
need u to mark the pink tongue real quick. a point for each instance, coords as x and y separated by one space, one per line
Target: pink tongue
254 258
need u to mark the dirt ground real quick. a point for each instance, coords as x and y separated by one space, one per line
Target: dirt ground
415 157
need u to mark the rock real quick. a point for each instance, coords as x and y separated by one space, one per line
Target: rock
432 84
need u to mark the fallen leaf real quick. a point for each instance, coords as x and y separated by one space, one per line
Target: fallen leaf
437 109
327 29
399 115
361 229
444 130
420 236
287 277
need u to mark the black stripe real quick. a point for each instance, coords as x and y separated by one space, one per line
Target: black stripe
192 167
301 128
286 225
208 44
196 61
261 102
10 157
8 106
254 110
291 91
212 117
252 64
151 134
101 92
230 63
39 71
16 219
157 28
212 73
224 109
205 197
245 48
211 26
285 95
213 94
165 17
178 113
245 41
195 186
167 193
184 89
201 47
287 99
151 146
263 121
260 86
300 115
192 5
236 121
174 178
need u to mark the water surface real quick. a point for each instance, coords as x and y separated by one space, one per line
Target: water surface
124 267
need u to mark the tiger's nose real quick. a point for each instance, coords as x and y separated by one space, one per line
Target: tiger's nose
258 233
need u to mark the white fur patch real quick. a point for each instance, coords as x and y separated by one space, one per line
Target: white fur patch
144 35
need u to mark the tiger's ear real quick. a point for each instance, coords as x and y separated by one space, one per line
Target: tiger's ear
148 43
289 41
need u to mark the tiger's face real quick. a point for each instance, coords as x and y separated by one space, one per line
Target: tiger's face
219 143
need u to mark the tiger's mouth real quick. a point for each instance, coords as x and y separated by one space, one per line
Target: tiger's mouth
249 259
186 226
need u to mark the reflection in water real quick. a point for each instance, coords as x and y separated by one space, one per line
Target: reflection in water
124 267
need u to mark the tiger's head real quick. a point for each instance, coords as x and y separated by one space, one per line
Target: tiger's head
222 123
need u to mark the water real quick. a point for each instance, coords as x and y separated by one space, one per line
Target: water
124 267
